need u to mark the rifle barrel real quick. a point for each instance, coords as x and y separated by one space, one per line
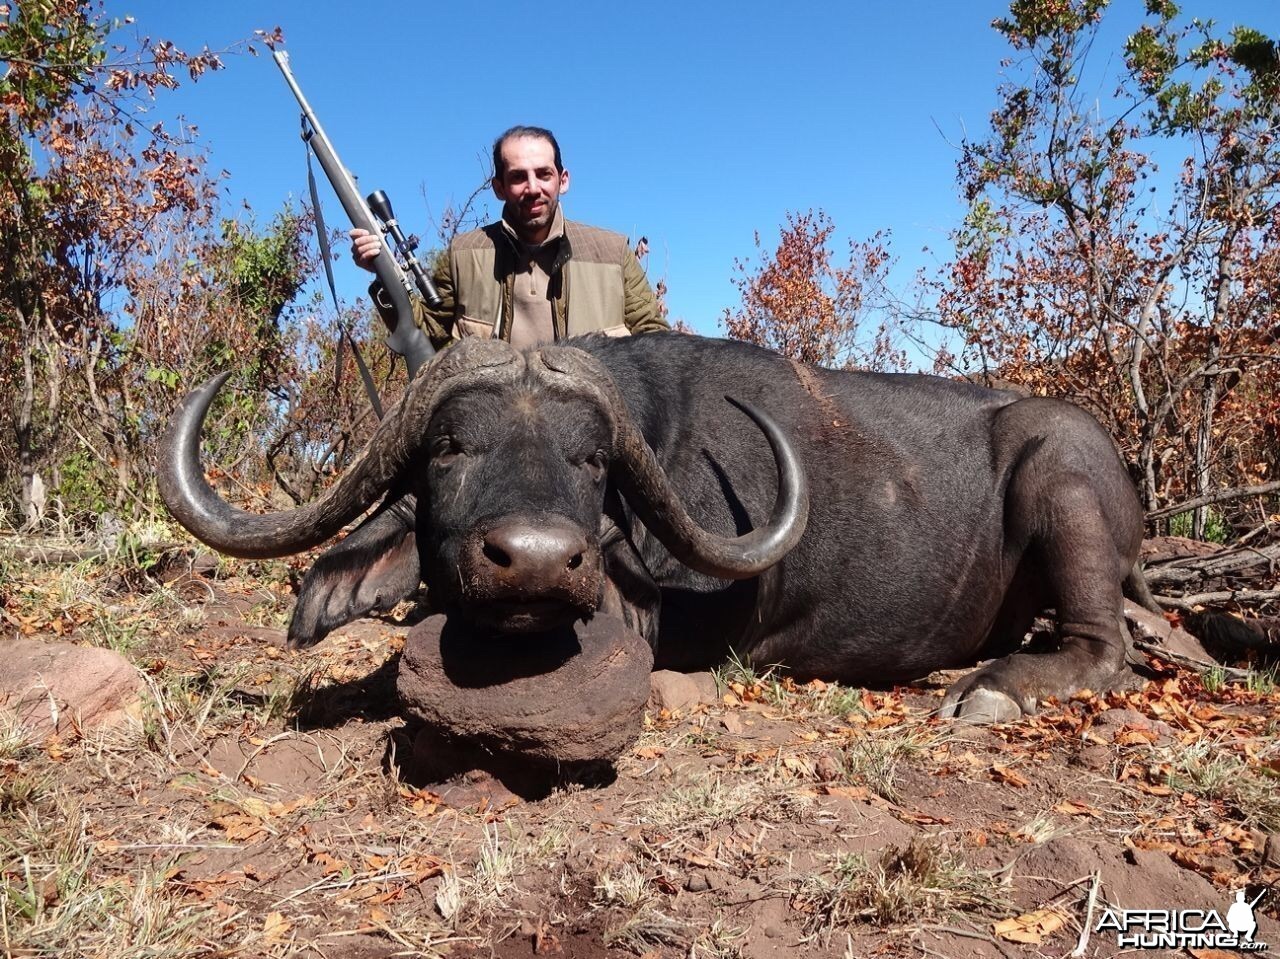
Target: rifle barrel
405 337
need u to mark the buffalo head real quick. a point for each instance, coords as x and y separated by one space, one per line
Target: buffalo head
511 456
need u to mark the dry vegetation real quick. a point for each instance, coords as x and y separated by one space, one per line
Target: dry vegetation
265 803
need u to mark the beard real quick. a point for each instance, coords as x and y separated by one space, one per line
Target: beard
525 221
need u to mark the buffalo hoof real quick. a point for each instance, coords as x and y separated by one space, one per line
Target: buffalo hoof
563 701
978 704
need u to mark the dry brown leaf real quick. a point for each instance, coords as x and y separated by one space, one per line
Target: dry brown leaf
796 764
922 819
425 867
849 792
1134 736
240 828
284 808
1073 807
276 926
1031 928
1002 773
329 865
392 894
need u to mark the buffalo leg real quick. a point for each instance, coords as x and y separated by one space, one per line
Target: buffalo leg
370 571
1075 545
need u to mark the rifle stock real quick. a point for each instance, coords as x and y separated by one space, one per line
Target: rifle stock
404 337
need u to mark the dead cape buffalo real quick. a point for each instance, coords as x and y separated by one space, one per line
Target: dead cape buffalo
859 527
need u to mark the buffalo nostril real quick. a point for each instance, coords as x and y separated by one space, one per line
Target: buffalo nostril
496 555
534 555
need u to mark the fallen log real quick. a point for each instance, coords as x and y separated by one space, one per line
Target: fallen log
1231 673
1224 596
59 555
1181 571
1220 496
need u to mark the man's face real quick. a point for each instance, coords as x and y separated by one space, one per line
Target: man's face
530 186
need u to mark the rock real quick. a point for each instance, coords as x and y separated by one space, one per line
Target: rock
1155 628
109 529
572 697
1094 757
708 688
182 564
476 791
671 690
1116 720
1271 850
828 769
697 883
55 686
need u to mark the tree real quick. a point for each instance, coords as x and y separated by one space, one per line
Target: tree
1144 290
87 189
799 302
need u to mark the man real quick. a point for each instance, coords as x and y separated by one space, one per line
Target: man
532 277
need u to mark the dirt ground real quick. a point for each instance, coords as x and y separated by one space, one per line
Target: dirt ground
268 803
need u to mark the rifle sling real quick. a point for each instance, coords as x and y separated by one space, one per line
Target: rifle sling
323 235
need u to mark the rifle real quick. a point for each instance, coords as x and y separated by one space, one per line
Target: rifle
404 336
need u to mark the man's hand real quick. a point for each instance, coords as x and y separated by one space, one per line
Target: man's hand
365 247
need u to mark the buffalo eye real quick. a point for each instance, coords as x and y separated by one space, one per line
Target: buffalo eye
597 464
445 449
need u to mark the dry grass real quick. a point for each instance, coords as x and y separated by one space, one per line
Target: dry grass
715 799
635 914
56 901
1211 769
875 757
476 892
922 881
773 687
104 839
638 918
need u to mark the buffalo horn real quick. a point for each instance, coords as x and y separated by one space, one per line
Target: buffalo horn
237 532
645 485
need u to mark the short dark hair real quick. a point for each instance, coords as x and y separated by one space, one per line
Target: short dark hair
537 133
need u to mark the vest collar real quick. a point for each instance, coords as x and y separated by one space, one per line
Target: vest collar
558 235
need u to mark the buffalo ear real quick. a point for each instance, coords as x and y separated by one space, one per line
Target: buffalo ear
370 571
629 591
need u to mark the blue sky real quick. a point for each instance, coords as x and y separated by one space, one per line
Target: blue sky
695 124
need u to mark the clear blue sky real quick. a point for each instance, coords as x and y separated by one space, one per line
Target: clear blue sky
693 123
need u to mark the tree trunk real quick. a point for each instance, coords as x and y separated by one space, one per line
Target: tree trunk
111 428
24 427
1209 388
1204 439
